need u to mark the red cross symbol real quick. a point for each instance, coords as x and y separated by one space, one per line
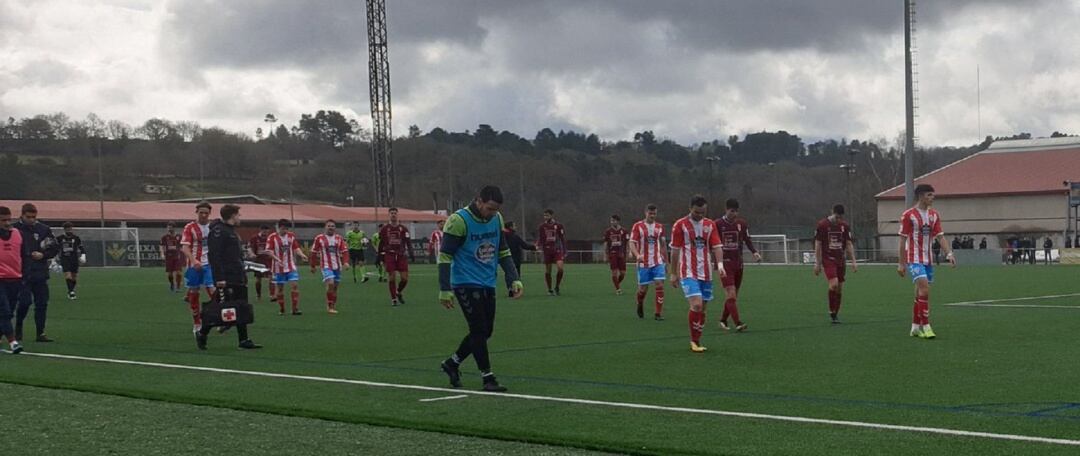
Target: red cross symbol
228 315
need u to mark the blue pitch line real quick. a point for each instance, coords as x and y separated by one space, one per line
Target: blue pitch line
963 409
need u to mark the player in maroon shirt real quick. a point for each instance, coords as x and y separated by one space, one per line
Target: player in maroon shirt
832 240
551 240
257 249
170 254
616 239
734 233
394 244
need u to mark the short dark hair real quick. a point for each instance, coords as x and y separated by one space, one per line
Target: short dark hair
838 209
508 224
5 211
650 207
203 204
264 227
616 218
228 211
68 225
170 225
731 203
698 201
282 222
923 188
329 221
29 208
549 211
491 193
392 209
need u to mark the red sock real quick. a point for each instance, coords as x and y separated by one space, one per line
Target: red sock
281 299
193 304
732 308
697 324
924 310
641 295
393 288
622 275
547 279
273 291
295 295
615 280
558 279
401 285
834 302
659 298
331 299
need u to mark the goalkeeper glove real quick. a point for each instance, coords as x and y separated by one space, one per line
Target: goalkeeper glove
517 288
446 296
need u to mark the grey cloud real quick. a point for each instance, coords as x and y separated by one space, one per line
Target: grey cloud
47 72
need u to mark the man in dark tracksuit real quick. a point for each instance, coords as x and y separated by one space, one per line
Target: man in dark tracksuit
43 247
225 251
517 247
473 249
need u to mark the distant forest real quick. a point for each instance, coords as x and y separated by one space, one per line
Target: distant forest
783 184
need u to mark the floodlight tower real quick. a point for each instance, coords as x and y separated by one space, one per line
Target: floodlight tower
379 86
912 99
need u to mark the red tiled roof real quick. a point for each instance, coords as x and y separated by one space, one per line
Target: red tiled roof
1006 171
81 211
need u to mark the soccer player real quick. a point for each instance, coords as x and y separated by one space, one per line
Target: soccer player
832 241
551 239
695 242
376 244
72 256
12 251
257 249
357 241
394 244
647 247
919 226
283 250
615 240
35 289
173 258
198 274
473 248
435 241
333 255
734 233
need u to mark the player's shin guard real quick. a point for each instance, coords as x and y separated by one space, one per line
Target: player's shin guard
193 304
697 324
659 299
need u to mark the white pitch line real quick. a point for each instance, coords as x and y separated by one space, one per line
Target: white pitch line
626 405
447 398
1027 298
1021 306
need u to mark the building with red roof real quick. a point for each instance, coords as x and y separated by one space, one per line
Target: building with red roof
1014 188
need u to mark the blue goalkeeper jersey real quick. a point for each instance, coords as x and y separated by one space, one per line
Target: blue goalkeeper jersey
476 262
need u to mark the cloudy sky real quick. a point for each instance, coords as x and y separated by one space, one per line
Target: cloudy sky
691 70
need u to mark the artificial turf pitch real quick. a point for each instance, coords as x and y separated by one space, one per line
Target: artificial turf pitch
1006 370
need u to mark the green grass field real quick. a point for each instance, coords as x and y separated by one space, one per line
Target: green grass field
1003 370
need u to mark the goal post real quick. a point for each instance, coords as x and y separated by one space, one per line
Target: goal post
109 247
775 248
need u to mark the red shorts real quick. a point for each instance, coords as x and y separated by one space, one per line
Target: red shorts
834 271
174 264
616 261
733 277
552 257
395 262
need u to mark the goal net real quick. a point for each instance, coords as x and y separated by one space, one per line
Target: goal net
110 247
775 248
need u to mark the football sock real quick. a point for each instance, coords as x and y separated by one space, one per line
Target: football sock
924 310
547 279
393 288
659 298
641 295
281 299
834 302
295 296
916 313
273 292
172 285
731 309
401 285
697 324
615 281
331 299
70 285
558 279
193 304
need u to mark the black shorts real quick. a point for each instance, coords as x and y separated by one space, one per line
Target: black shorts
356 256
69 265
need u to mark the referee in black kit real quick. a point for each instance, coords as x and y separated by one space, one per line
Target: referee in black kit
226 255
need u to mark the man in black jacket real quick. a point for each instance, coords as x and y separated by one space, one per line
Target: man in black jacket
43 247
72 256
517 247
226 254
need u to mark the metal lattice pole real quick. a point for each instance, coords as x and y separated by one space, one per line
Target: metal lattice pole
379 87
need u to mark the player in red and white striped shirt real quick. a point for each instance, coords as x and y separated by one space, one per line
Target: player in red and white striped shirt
648 248
695 242
333 255
284 248
919 226
435 241
198 273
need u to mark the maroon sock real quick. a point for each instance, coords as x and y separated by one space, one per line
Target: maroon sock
615 281
697 323
281 299
834 305
641 295
393 288
732 308
295 295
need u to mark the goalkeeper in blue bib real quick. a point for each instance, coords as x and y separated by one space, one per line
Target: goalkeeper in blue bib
473 249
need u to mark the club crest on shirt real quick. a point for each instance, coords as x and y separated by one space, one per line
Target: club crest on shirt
485 252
